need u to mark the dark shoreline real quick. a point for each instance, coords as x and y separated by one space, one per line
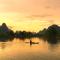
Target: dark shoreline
51 34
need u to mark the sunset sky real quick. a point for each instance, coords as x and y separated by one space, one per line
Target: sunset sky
29 15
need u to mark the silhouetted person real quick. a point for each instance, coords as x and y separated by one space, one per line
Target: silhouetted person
30 42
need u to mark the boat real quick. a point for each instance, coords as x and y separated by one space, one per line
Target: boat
32 42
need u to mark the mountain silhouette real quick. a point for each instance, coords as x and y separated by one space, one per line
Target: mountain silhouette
52 34
4 28
5 32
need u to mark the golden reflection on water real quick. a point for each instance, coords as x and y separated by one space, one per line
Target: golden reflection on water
20 50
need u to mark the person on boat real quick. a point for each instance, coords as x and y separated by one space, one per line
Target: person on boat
30 41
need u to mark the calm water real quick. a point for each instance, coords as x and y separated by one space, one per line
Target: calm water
20 50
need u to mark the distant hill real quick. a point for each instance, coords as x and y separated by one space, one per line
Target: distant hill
52 34
5 32
53 31
4 28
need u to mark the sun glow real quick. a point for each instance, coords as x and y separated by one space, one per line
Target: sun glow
17 21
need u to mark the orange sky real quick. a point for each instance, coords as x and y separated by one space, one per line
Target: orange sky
21 13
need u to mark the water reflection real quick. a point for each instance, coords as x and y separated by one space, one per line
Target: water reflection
30 42
3 45
20 50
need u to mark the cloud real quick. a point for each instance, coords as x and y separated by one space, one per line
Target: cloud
33 8
53 3
39 16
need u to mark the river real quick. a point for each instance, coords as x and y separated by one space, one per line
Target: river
19 49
